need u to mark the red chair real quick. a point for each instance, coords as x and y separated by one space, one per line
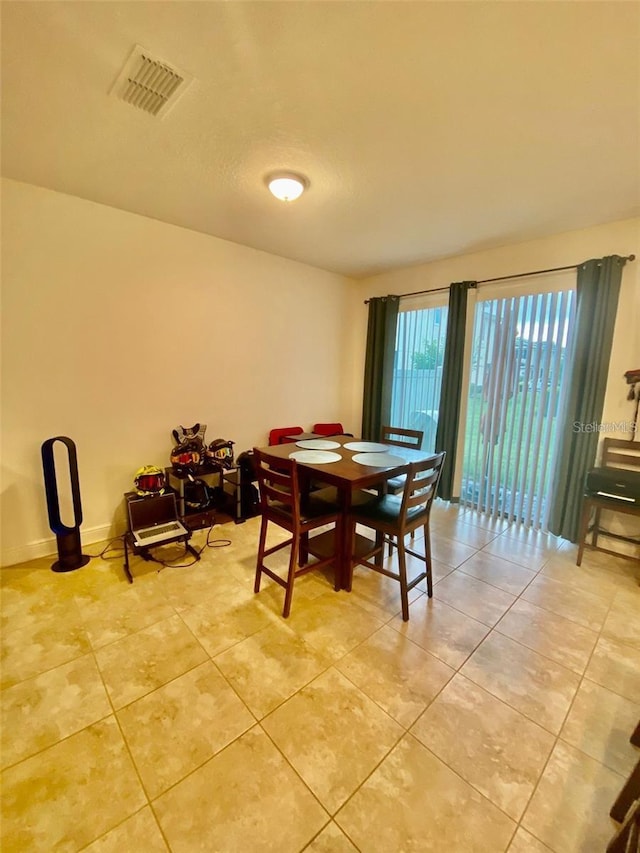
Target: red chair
277 436
329 429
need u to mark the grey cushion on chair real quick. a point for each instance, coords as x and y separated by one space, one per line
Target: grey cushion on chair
395 485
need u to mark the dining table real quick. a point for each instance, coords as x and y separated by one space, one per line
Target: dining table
351 465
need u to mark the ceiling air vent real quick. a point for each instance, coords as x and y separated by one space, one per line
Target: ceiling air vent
149 83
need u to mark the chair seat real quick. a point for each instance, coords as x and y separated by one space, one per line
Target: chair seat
396 485
315 507
386 510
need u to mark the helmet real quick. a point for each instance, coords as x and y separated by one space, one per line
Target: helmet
198 495
149 480
220 452
186 458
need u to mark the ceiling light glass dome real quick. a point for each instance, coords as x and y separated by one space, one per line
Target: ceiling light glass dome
287 186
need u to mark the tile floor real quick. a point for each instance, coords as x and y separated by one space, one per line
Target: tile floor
183 713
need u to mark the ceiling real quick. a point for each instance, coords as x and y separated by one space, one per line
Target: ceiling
425 129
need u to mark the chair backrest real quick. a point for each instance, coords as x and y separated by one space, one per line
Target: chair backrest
278 486
402 437
420 487
328 429
277 436
620 453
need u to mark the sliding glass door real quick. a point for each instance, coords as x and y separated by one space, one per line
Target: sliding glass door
417 376
516 385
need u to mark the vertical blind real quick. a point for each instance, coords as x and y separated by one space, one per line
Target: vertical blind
517 367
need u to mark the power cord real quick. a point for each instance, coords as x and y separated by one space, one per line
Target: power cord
110 546
215 543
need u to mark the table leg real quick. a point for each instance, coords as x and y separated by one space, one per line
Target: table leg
345 545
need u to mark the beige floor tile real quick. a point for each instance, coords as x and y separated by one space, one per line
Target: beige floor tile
70 794
333 623
449 551
438 572
331 840
186 588
594 580
600 723
36 646
33 593
520 535
413 801
310 730
140 663
581 607
570 808
43 710
498 572
397 674
227 621
134 608
534 685
527 556
139 832
468 534
179 726
102 577
623 622
474 597
493 747
380 595
442 630
268 667
466 515
616 666
553 636
524 842
245 798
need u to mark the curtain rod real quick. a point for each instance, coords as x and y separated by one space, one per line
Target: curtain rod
500 278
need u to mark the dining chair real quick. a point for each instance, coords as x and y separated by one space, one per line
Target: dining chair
400 438
392 517
280 434
283 504
330 429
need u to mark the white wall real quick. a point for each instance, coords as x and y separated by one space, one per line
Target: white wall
621 238
117 328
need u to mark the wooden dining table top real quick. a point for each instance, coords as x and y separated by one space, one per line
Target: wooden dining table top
345 471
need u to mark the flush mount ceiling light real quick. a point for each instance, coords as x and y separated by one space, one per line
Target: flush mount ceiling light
287 186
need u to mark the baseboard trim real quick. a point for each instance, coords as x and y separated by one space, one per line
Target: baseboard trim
48 547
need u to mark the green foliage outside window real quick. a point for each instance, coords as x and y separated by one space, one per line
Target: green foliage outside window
430 357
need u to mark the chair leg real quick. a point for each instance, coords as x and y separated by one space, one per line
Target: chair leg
379 557
584 528
338 568
427 559
351 532
596 526
404 595
291 575
261 548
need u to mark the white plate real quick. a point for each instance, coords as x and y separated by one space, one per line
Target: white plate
318 444
379 460
315 457
366 446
